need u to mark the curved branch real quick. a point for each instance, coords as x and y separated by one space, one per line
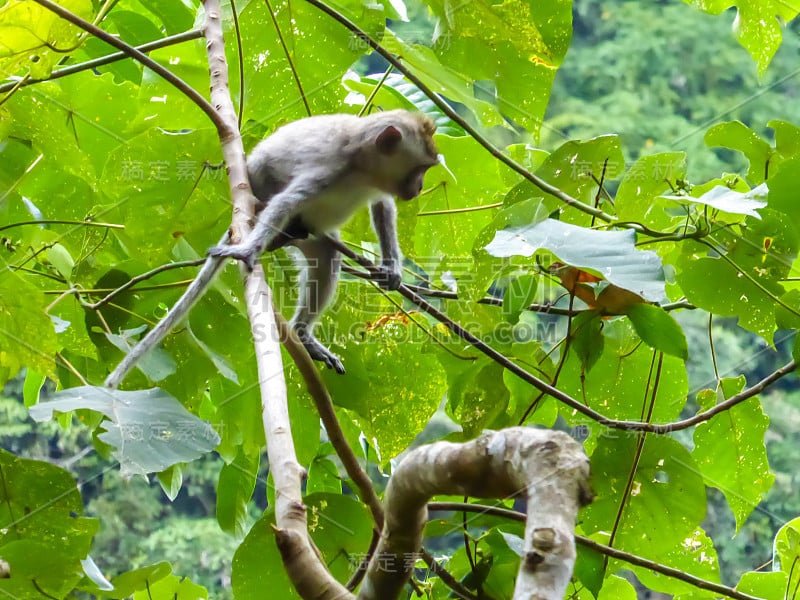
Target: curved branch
548 467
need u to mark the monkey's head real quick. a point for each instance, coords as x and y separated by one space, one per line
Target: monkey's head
405 151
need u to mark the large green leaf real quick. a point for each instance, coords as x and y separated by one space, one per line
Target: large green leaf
658 329
148 429
511 50
257 565
237 480
757 25
394 382
172 587
34 36
43 536
618 383
613 254
731 454
27 334
639 200
737 136
660 517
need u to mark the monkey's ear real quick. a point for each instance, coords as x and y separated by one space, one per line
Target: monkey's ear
388 139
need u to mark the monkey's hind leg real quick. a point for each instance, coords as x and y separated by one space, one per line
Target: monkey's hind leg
317 285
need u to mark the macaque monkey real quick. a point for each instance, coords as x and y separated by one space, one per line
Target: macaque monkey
309 177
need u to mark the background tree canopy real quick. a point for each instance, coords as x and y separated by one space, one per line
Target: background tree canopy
616 223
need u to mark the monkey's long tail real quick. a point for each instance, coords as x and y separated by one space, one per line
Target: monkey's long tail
181 308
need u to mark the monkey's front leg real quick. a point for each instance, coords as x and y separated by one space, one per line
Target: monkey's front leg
277 213
384 221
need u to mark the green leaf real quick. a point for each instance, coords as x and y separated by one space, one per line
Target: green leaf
272 94
757 25
787 549
129 582
615 384
730 452
341 528
148 429
33 387
140 173
511 51
610 253
443 79
477 397
172 587
27 335
638 199
764 585
502 551
42 533
171 480
587 338
34 37
730 201
696 555
669 502
323 477
573 168
783 190
60 258
237 481
658 329
617 588
394 381
175 16
738 136
589 566
257 564
762 252
517 296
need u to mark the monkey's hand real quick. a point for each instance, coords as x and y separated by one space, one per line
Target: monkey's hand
389 276
247 253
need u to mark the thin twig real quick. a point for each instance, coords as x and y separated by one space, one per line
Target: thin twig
171 40
632 559
62 222
142 277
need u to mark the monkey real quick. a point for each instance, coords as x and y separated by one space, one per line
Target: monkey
309 177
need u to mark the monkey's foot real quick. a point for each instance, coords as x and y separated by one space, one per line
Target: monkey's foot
243 252
319 352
